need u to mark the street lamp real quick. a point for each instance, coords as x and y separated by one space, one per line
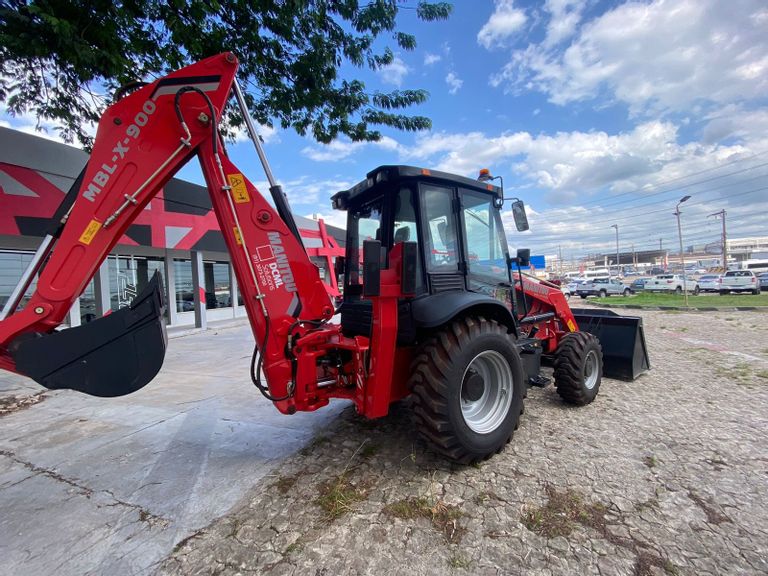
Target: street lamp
680 235
617 247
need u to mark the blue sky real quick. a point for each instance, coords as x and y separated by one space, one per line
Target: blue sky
593 112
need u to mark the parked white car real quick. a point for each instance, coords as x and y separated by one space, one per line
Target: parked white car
710 282
671 283
739 281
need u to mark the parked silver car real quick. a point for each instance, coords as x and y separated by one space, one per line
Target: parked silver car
763 279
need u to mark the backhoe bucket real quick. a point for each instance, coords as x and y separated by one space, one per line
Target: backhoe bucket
112 356
625 354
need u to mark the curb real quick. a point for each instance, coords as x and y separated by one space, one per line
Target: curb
688 308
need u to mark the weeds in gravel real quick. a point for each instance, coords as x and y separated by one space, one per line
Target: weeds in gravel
563 510
714 516
285 483
762 374
458 561
444 518
293 548
650 461
561 513
339 496
11 404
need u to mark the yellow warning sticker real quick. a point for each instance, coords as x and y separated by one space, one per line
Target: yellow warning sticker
239 190
571 325
90 231
238 238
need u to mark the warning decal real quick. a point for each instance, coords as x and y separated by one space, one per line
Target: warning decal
239 189
90 231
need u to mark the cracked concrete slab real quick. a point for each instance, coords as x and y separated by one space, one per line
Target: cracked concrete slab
661 476
111 486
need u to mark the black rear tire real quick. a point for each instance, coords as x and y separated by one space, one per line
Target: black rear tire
467 388
578 368
678 290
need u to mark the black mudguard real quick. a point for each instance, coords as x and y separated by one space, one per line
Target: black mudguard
112 356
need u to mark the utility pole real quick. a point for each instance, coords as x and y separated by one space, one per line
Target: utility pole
680 235
560 258
724 239
618 268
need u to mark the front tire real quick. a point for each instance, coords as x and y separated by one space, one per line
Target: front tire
578 368
468 383
696 291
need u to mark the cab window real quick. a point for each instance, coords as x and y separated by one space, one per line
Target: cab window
486 255
440 236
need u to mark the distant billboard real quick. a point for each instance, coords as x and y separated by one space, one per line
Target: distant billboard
537 263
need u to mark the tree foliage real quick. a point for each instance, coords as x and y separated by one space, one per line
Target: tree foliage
60 58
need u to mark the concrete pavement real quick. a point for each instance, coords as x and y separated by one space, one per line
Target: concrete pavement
111 486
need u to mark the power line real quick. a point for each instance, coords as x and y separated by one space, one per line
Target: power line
689 175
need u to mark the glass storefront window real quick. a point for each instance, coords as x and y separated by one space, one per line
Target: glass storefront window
185 300
12 266
88 304
216 276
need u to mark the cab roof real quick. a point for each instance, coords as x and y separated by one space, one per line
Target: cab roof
383 176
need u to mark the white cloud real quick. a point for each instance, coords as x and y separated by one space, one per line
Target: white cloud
306 193
565 16
654 57
454 82
394 72
341 149
336 218
30 124
430 59
576 184
503 23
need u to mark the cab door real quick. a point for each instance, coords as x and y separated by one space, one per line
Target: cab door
485 244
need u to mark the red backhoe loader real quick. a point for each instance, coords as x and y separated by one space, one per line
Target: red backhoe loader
431 308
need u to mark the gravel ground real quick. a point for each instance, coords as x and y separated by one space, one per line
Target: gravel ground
664 475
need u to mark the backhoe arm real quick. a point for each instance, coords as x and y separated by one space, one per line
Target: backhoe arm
141 142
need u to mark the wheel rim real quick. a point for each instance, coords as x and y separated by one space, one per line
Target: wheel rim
590 370
484 410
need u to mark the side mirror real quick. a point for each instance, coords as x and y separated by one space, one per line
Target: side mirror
523 257
518 212
340 266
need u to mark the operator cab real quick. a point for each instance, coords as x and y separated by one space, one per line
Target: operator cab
456 224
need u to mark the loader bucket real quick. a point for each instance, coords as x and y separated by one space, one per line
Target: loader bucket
625 355
112 356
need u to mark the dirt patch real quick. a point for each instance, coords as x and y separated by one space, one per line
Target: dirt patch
11 404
